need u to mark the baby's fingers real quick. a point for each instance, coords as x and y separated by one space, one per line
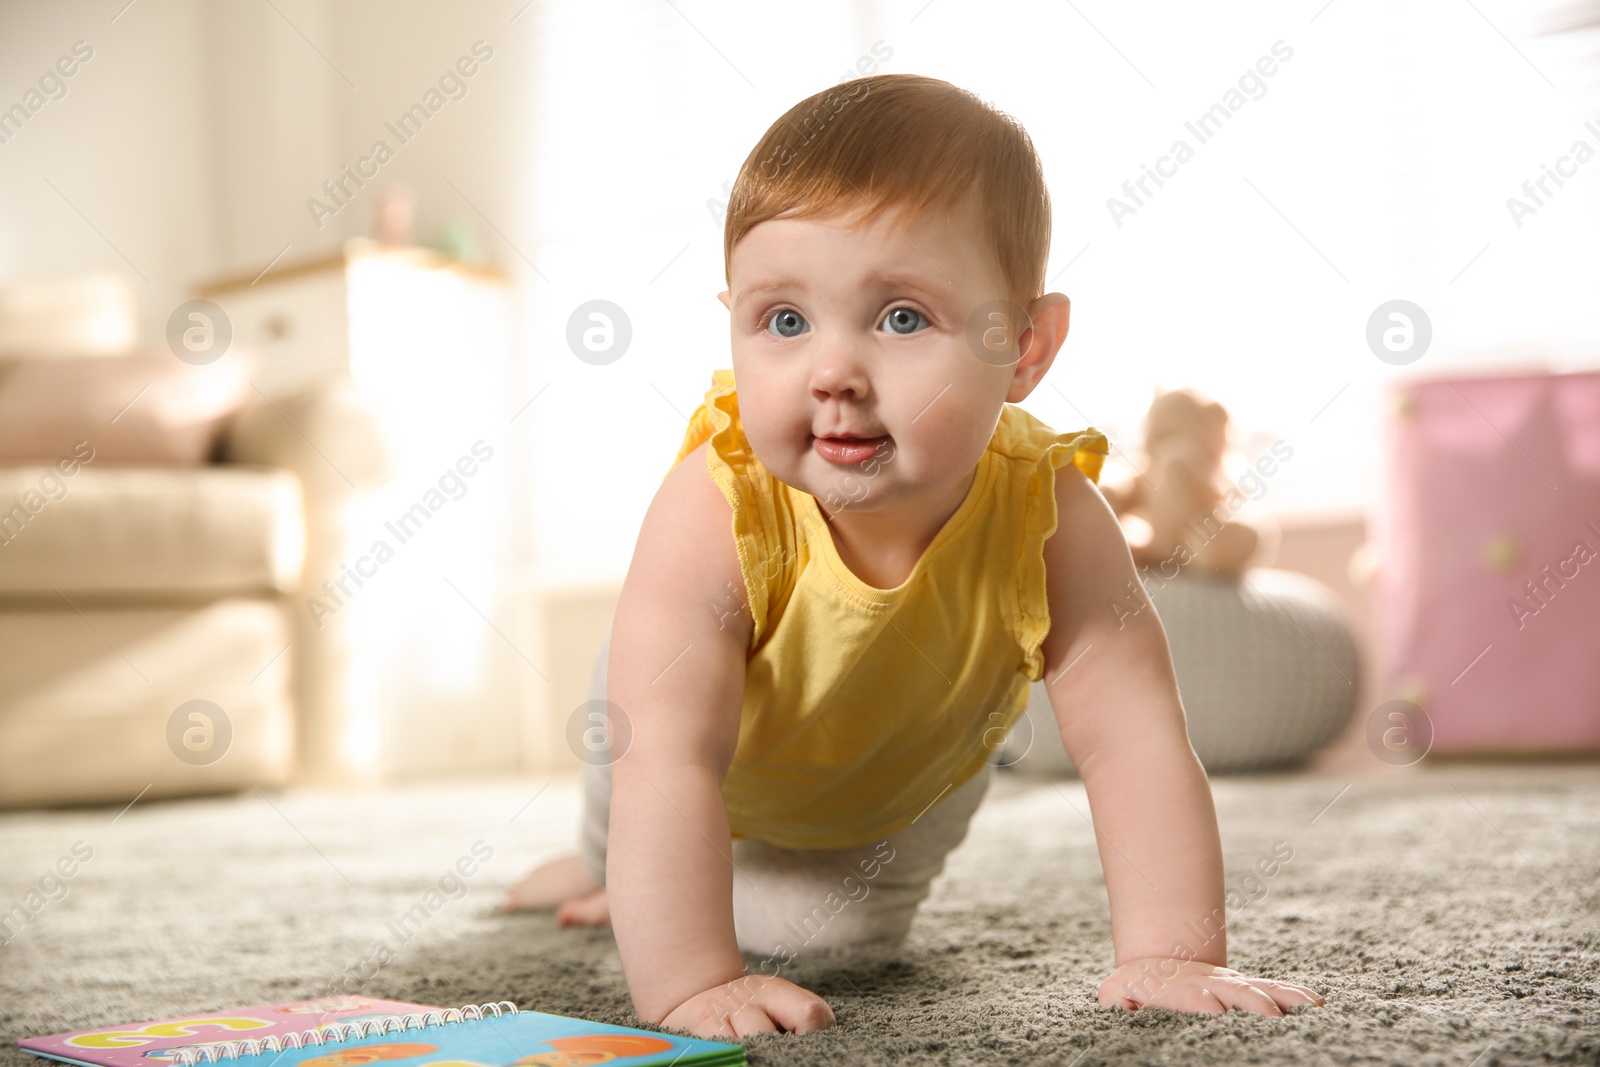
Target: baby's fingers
1189 996
751 1019
1246 996
1287 994
716 1020
797 1010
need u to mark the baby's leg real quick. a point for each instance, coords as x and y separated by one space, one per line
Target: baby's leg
786 901
783 899
789 900
575 883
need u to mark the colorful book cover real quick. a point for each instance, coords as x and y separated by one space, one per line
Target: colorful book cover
414 1035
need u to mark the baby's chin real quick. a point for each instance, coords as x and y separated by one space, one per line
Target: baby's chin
852 489
799 465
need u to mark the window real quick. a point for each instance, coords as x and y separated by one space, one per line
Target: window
1374 162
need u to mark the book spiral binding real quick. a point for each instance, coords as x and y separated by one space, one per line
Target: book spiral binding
332 1033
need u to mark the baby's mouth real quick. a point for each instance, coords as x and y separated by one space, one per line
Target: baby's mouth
846 450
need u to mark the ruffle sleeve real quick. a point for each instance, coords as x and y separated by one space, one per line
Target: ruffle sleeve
1087 450
750 490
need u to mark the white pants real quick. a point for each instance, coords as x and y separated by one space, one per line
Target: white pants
786 900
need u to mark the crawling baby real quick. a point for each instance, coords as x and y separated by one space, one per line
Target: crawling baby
861 557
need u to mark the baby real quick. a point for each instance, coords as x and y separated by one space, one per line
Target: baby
859 561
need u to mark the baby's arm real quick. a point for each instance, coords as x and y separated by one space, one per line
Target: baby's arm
1110 678
676 670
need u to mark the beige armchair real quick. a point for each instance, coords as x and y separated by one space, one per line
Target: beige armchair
129 592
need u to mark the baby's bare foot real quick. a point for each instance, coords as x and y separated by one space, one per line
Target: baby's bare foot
591 910
552 884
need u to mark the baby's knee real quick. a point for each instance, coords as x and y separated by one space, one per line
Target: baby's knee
785 925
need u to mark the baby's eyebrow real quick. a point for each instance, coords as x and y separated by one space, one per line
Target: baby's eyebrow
913 282
889 281
767 287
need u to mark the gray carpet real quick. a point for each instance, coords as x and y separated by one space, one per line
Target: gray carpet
1448 913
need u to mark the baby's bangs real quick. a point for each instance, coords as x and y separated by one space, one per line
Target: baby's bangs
900 143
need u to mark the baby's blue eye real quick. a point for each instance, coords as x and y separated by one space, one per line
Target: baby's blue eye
908 317
787 323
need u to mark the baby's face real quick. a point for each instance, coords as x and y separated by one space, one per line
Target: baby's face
858 327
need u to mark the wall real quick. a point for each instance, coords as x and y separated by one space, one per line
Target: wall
190 143
115 175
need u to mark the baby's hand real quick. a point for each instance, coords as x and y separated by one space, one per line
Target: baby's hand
1189 985
750 1005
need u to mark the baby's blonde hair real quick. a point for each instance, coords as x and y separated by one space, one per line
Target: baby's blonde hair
904 141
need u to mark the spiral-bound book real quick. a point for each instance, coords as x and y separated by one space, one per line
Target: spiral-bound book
346 1031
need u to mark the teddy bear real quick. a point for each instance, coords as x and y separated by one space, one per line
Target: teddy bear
1179 493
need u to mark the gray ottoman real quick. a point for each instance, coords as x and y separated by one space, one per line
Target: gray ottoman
1267 668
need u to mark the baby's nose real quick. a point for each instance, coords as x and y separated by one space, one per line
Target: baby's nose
838 369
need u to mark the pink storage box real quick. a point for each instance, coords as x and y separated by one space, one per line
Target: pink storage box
1488 535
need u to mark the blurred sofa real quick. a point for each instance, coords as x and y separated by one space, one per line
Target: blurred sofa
156 521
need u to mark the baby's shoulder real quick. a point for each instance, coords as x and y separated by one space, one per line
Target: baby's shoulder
686 543
1074 489
690 504
1082 512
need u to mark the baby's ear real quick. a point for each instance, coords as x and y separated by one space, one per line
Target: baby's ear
723 296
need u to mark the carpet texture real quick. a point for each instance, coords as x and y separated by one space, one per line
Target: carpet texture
1448 912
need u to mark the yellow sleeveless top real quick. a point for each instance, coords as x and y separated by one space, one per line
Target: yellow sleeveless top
864 706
